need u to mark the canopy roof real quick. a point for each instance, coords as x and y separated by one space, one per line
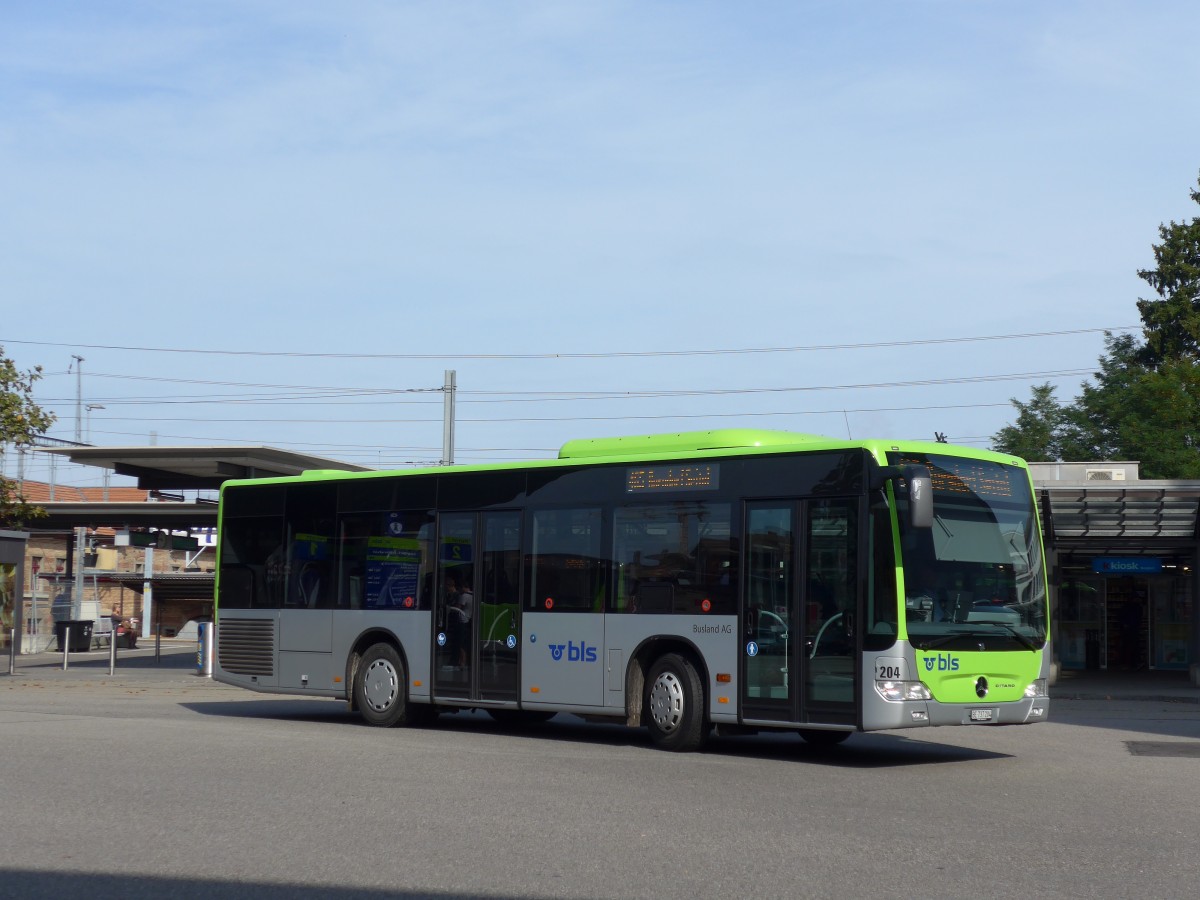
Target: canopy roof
1133 517
171 469
198 468
167 586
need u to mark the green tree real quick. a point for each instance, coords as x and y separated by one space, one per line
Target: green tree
1037 434
1144 402
1160 423
20 420
1172 322
1105 404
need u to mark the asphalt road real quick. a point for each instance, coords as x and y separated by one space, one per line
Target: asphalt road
156 783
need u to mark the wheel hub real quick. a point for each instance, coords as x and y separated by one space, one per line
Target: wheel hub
381 683
666 702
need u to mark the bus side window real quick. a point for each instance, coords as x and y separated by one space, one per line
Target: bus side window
676 557
252 554
564 561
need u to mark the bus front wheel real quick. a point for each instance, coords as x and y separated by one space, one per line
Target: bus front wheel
674 704
379 687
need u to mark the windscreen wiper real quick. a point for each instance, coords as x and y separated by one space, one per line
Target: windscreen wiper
1021 639
934 643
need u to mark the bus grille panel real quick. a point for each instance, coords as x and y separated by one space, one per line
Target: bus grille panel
246 646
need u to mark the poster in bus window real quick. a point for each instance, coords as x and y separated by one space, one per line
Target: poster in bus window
455 550
310 548
308 583
393 571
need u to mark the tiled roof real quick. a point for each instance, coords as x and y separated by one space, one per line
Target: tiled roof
115 495
39 492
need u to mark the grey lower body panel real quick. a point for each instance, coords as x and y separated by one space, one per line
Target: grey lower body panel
882 715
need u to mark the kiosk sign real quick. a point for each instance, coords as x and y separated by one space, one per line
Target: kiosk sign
1126 565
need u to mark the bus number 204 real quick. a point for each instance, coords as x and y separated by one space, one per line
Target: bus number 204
889 670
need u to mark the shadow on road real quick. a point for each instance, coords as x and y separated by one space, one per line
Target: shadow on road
34 885
281 709
1164 717
860 751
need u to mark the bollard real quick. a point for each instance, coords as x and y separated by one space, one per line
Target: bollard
12 651
112 651
158 643
204 649
66 644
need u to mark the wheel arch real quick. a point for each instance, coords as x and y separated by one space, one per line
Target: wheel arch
367 639
640 661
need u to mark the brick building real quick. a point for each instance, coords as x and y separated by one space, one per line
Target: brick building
93 531
113 576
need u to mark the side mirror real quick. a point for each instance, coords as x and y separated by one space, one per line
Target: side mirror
920 496
920 491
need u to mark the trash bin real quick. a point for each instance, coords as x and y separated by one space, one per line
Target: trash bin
81 634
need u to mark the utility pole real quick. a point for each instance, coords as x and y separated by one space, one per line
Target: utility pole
147 593
77 596
448 390
78 398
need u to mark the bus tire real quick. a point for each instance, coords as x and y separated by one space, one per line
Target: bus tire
674 704
819 737
380 687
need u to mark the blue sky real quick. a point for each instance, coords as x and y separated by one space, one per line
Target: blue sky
499 187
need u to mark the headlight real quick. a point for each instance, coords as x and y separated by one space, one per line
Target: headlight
902 690
1037 689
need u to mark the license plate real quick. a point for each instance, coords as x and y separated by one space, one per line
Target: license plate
981 715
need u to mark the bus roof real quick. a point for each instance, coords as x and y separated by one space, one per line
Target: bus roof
683 441
665 447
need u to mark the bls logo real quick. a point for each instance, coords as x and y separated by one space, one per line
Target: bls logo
582 653
943 661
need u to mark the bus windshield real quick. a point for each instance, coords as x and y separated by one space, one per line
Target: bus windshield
976 577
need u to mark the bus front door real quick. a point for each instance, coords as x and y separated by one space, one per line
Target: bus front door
476 643
798 648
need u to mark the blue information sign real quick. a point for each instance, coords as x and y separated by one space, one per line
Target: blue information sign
1126 565
393 569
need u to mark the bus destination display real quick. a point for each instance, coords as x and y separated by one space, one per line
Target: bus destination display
679 477
966 476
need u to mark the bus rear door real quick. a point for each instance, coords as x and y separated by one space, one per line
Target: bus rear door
476 637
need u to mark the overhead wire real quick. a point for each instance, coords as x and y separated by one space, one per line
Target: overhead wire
316 395
612 354
575 396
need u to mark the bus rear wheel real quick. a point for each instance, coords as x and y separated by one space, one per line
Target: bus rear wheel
380 687
674 704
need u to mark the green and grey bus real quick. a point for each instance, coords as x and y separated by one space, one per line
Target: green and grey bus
735 579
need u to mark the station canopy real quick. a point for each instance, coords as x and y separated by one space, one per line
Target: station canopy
1147 517
168 587
198 468
174 469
